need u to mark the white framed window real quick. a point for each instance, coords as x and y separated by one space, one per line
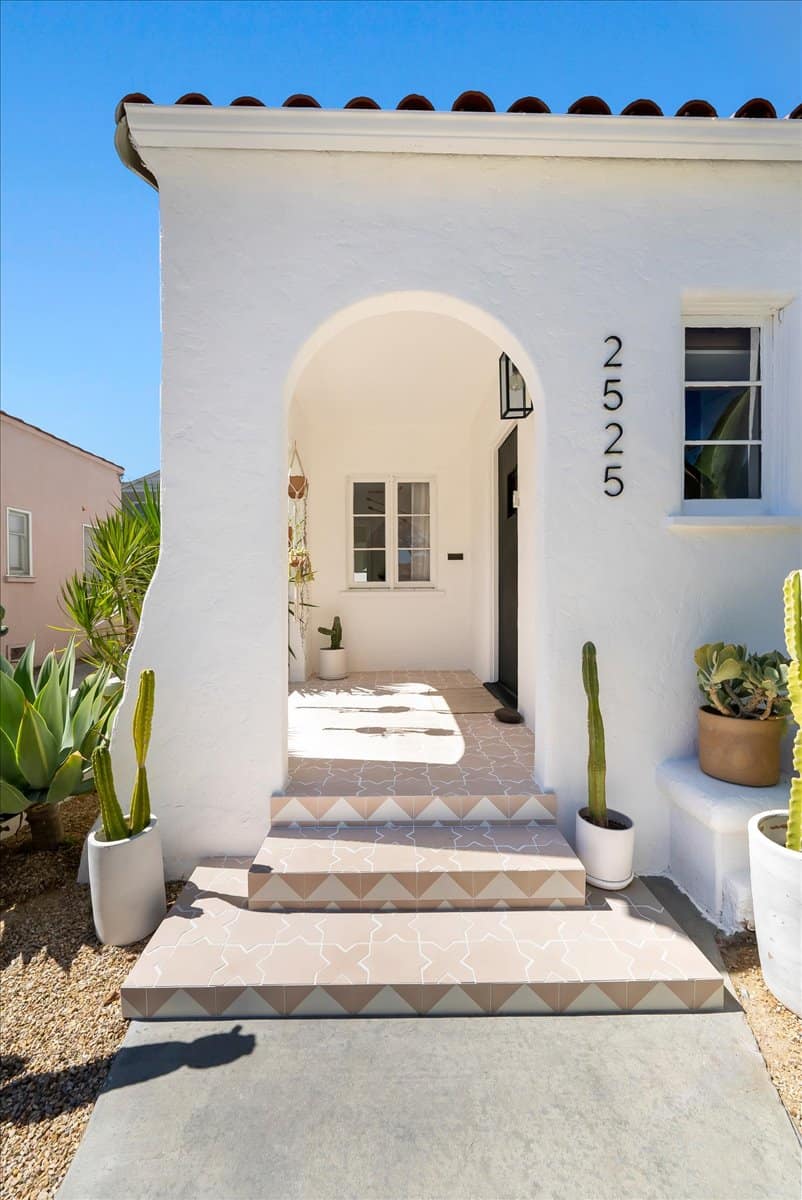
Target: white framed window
20 550
390 542
89 545
724 462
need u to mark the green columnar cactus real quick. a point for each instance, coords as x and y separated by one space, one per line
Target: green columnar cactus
115 826
792 595
335 633
597 765
143 721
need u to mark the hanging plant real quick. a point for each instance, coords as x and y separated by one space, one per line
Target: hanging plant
297 483
299 564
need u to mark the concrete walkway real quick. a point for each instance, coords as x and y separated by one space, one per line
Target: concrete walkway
675 1107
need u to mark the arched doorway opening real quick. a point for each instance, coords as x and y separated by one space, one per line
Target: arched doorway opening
421 524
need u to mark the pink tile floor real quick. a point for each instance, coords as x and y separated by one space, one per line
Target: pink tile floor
412 753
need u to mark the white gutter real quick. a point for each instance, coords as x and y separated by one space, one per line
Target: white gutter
513 134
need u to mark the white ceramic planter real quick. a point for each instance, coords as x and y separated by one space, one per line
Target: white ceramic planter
777 898
333 664
606 854
127 883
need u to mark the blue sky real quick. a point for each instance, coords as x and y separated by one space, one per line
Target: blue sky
80 287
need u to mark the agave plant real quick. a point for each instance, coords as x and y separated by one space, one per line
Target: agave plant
105 604
48 731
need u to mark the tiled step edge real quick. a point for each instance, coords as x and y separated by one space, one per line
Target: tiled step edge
315 810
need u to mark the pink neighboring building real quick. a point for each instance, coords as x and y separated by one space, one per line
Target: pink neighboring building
50 491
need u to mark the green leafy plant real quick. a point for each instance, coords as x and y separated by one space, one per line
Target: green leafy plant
792 596
736 683
105 603
335 633
3 626
116 826
597 763
48 731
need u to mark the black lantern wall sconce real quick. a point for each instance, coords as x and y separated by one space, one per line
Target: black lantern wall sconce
512 391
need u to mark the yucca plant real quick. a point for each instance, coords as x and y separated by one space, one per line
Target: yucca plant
116 826
105 603
48 731
792 596
597 762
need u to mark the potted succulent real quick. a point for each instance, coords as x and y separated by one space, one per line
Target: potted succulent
775 845
605 839
48 730
333 664
742 724
126 870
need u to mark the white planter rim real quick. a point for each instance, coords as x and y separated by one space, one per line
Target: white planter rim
756 824
625 821
97 838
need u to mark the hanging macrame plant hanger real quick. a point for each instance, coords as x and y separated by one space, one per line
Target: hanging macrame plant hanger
297 482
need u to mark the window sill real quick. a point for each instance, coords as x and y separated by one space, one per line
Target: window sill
19 579
393 591
691 522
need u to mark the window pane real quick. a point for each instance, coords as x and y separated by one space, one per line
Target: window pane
18 523
413 498
722 414
721 354
721 472
413 566
368 532
369 566
413 531
368 498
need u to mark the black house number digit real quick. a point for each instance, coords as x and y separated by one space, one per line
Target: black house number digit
612 401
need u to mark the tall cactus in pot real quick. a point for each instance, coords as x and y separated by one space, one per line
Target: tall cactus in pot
597 764
792 595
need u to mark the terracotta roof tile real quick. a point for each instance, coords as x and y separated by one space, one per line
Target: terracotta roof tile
479 102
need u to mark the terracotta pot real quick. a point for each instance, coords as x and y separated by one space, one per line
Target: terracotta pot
738 750
296 487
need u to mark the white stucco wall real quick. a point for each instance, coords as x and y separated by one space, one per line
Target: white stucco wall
260 249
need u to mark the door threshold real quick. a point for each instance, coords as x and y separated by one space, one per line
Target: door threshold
507 698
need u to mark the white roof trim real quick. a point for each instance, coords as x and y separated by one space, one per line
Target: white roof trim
513 134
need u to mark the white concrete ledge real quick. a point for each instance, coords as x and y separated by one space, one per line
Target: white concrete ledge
709 855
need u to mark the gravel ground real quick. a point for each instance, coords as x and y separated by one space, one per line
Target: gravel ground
61 1022
777 1030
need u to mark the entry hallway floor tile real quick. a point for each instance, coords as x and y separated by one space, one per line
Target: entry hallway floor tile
393 732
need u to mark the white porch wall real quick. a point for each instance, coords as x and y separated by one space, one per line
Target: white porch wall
261 248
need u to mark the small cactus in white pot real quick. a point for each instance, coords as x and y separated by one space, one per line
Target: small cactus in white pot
333 663
126 870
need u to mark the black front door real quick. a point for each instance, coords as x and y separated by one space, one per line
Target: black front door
508 565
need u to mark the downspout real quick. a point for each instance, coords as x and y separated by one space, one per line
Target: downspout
123 143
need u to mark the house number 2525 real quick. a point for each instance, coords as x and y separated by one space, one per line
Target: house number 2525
612 400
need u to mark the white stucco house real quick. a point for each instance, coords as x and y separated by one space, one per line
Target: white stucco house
349 281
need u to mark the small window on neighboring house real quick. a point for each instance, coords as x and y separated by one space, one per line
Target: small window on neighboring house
19 541
723 418
391 536
89 545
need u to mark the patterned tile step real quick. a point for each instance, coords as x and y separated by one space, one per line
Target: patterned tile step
327 810
212 956
460 865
